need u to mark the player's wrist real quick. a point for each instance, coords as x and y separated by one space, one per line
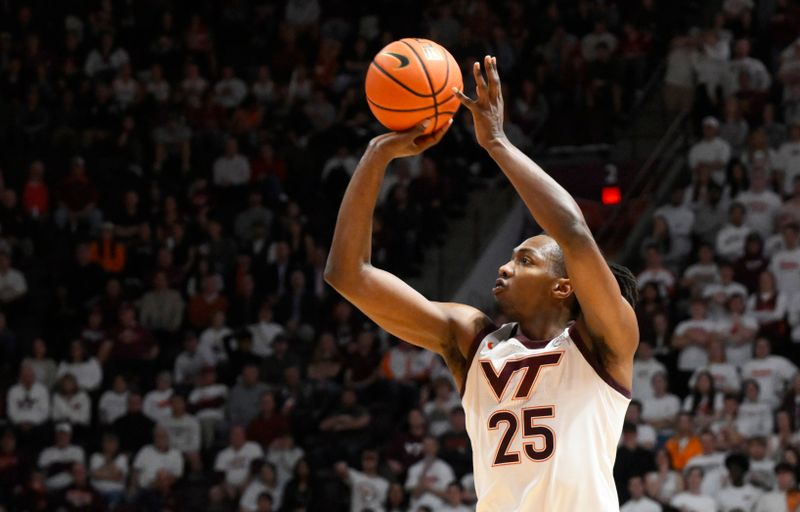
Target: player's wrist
496 142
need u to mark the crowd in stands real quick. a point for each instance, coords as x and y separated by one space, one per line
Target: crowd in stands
715 420
171 173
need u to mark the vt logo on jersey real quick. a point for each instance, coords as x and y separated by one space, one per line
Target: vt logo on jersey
531 365
539 441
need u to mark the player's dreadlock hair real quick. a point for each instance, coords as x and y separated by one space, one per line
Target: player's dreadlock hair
625 278
626 281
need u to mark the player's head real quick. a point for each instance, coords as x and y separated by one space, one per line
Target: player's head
535 279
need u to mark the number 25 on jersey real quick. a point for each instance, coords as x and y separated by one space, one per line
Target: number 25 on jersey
498 382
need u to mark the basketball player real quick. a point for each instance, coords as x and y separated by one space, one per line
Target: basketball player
545 395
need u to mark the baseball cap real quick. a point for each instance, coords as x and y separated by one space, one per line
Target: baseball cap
64 427
710 121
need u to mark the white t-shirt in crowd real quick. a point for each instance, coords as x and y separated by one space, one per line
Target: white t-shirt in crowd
691 356
28 405
149 461
711 151
75 409
643 504
761 210
754 419
725 375
202 394
97 460
440 474
689 502
730 499
68 455
88 373
156 404
785 266
661 408
708 462
789 163
112 405
643 372
236 463
773 373
367 492
730 241
249 500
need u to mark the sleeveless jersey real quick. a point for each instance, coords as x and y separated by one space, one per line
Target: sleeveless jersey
544 419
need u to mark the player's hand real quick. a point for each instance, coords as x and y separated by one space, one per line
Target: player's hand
410 142
487 108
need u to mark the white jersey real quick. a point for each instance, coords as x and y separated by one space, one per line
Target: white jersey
544 419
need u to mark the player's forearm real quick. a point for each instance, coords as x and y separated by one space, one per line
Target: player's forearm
551 205
352 238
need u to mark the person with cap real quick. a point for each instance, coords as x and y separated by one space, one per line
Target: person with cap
761 203
738 494
55 461
711 152
778 500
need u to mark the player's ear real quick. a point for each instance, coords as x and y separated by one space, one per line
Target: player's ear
562 288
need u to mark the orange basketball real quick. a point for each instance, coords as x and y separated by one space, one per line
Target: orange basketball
411 80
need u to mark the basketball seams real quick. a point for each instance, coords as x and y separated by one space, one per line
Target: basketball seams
388 109
398 82
430 83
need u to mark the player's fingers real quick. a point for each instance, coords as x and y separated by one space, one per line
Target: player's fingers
463 98
434 138
490 64
480 83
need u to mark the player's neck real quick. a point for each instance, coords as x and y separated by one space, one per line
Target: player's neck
545 324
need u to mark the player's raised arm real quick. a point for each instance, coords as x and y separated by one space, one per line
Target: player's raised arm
386 299
608 316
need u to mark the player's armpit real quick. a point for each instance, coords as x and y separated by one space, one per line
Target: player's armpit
404 312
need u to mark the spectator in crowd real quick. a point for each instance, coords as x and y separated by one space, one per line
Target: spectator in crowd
71 404
692 498
189 362
109 470
133 428
638 501
79 494
28 403
731 238
183 428
427 479
270 423
265 483
55 460
367 488
156 403
773 373
661 411
235 460
245 397
161 309
684 444
712 153
635 460
738 493
207 402
157 464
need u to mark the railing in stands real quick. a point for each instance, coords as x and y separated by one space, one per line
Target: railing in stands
649 186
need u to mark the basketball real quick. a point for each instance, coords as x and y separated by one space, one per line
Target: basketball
411 80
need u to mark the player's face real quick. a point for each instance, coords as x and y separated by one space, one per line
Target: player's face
525 282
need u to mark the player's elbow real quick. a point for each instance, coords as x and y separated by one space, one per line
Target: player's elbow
338 277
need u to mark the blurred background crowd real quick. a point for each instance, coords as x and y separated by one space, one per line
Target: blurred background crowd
170 173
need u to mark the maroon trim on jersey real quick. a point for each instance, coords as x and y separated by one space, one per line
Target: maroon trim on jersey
527 342
490 328
595 364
